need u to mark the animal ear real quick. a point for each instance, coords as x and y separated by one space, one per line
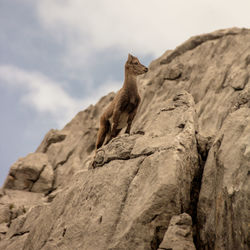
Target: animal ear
130 57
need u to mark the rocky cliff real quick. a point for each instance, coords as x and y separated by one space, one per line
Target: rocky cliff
179 181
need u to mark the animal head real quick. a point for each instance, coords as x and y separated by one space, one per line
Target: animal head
133 66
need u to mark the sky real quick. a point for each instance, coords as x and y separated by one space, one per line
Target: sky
59 56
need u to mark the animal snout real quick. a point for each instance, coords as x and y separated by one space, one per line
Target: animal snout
146 70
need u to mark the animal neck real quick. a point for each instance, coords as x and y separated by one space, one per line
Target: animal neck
130 81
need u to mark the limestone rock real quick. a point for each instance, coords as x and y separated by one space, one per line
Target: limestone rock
15 204
188 153
223 208
207 64
173 73
3 229
69 155
53 136
4 213
127 202
179 234
32 173
196 41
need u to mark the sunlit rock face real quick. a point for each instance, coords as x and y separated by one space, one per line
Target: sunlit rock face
180 180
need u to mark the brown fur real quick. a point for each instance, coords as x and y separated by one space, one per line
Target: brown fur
123 108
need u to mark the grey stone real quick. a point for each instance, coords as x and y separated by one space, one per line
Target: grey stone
179 234
223 208
31 173
188 153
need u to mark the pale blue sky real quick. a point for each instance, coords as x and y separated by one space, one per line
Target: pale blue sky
59 56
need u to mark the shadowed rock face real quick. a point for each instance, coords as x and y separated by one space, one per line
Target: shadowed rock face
180 179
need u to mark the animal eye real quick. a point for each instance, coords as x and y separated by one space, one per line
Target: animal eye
136 62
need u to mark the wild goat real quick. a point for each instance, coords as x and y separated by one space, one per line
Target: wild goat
123 108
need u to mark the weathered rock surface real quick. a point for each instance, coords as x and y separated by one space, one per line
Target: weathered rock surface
33 173
187 155
15 203
179 234
223 208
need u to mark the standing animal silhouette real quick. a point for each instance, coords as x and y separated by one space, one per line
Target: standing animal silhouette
122 110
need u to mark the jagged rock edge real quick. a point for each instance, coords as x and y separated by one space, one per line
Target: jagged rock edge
52 137
70 153
193 43
37 178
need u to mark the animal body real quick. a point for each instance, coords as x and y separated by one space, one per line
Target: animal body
122 110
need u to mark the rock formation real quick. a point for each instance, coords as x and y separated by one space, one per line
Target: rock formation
179 181
179 234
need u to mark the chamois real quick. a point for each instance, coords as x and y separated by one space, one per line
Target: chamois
123 108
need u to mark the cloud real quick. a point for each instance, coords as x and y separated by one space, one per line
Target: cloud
141 27
47 96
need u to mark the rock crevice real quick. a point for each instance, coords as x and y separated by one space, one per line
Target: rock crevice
179 181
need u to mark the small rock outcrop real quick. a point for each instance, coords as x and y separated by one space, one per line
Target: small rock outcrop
180 180
33 173
179 234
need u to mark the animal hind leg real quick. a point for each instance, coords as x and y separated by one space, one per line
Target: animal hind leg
111 136
103 130
130 120
131 117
